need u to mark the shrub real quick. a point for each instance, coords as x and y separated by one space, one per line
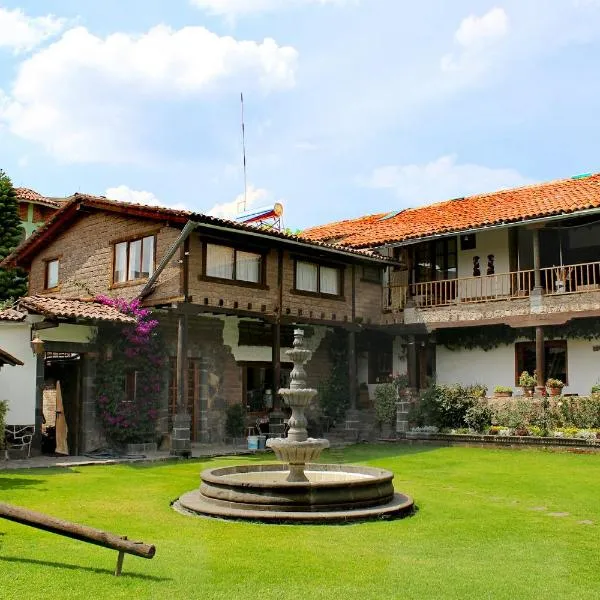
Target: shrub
446 406
386 396
3 411
596 389
479 416
235 420
518 413
576 411
526 380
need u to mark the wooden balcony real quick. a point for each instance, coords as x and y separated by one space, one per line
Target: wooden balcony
568 279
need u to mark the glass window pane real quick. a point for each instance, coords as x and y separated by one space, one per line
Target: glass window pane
247 266
219 261
52 274
120 274
306 277
135 260
330 281
147 256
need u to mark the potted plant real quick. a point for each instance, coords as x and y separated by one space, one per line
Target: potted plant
502 391
527 382
555 386
386 396
596 389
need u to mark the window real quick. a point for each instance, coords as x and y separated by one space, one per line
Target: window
468 241
51 279
555 359
381 358
318 279
224 262
131 385
134 259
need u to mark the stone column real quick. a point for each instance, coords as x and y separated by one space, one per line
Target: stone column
540 367
204 432
181 444
352 387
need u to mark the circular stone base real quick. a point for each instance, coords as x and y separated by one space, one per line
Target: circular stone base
332 494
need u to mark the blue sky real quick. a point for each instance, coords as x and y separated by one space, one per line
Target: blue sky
352 106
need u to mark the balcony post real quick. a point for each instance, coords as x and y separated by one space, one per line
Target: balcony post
540 367
537 271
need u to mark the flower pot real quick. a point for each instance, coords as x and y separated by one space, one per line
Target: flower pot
555 391
528 391
503 394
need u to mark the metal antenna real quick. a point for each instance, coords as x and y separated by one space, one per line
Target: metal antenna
244 152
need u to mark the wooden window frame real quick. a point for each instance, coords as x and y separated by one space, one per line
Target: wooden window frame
520 346
318 294
47 263
129 241
262 280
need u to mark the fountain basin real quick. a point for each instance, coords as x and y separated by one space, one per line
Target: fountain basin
333 493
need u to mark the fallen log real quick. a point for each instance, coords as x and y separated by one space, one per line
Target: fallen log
75 531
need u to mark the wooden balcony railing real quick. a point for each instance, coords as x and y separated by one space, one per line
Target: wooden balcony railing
487 288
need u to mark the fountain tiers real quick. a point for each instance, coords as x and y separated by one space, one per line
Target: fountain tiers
300 492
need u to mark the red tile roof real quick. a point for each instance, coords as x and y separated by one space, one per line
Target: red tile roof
29 195
56 224
563 196
87 309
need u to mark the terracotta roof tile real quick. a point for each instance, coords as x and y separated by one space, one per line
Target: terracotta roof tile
563 196
29 195
75 309
173 216
10 314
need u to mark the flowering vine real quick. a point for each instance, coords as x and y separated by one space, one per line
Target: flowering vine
130 374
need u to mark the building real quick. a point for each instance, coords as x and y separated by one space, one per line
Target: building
35 209
501 283
227 296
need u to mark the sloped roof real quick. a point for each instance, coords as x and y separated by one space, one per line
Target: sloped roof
69 209
8 359
29 195
564 196
88 309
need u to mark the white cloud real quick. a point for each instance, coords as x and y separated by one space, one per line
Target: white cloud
255 197
21 32
232 8
126 194
443 179
476 36
80 97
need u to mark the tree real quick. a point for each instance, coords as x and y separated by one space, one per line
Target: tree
13 282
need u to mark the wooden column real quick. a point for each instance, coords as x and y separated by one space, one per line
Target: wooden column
537 273
352 387
276 363
411 357
539 359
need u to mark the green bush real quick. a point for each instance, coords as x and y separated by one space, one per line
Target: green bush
3 411
235 421
576 411
386 396
479 416
446 406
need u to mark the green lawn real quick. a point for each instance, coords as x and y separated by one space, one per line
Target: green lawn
484 529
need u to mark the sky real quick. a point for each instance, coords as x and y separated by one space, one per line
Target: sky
351 107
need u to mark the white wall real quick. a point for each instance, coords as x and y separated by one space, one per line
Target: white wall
491 368
493 242
17 384
67 332
583 366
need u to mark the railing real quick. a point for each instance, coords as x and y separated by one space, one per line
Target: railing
568 279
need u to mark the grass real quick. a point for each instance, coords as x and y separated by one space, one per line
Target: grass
484 529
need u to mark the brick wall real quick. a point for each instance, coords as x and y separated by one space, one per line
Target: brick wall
85 253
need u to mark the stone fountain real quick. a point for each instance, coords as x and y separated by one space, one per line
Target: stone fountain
298 490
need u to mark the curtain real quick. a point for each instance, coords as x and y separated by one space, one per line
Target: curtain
330 281
147 256
135 260
247 266
306 277
120 274
219 261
